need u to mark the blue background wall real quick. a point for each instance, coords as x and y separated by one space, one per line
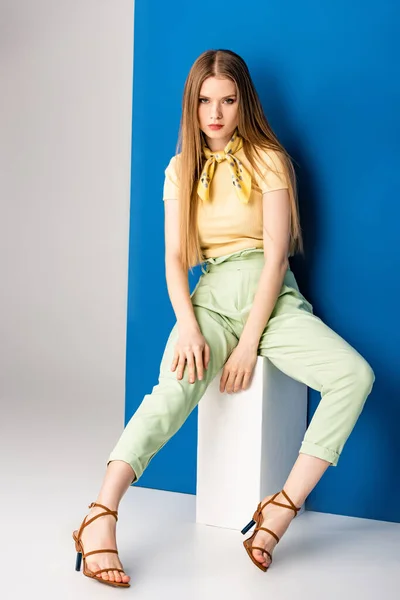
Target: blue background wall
326 74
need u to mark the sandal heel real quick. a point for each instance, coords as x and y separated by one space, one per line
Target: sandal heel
78 561
248 526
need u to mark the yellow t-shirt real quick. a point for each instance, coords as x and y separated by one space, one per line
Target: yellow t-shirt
225 224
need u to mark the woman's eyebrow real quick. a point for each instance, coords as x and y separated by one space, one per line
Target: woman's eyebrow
224 97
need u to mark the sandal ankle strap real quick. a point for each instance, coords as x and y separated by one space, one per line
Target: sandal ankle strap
85 523
113 512
272 501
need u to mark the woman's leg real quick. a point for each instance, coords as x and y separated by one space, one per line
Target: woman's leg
157 419
162 412
102 532
306 349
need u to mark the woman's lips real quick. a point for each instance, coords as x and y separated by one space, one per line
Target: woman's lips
215 127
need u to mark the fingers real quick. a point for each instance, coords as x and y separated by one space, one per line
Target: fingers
198 354
228 380
181 365
196 358
184 358
224 378
206 356
246 380
230 383
237 384
190 364
175 360
234 381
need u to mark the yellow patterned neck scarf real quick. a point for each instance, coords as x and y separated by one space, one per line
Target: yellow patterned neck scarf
241 178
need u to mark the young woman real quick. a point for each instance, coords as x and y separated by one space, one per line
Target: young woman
230 203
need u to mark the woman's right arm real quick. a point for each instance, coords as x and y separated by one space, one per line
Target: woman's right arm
191 346
177 279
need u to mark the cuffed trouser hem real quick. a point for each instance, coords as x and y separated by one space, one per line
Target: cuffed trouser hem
320 452
132 460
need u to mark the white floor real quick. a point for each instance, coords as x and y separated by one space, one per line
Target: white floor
168 556
53 458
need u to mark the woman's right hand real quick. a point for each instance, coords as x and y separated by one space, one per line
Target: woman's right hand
191 348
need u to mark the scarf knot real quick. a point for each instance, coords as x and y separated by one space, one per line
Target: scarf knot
241 178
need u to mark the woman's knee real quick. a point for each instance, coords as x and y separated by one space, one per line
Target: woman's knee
361 374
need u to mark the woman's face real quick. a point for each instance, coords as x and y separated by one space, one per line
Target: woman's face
218 104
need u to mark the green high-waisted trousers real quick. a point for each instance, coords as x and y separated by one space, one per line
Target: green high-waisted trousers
294 340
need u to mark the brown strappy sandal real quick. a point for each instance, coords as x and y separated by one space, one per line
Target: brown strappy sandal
81 553
257 520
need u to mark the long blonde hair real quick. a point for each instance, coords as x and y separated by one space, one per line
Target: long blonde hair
255 131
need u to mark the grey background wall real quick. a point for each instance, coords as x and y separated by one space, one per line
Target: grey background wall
65 122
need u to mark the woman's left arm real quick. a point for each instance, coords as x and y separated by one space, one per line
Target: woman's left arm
276 232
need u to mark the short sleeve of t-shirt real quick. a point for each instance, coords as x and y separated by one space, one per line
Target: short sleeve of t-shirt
171 182
274 177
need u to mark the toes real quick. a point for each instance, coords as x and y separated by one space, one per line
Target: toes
110 575
117 576
93 567
259 556
262 557
266 560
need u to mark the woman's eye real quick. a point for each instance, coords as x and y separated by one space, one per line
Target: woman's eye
229 100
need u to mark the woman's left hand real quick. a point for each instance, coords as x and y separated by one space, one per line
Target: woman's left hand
238 369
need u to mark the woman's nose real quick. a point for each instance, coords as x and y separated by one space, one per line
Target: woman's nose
215 111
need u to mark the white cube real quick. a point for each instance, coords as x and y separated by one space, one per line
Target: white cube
247 444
